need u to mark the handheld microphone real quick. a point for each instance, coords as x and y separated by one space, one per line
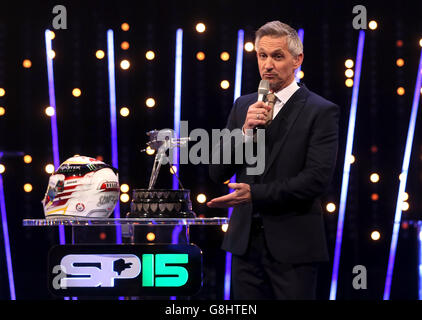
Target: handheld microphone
263 88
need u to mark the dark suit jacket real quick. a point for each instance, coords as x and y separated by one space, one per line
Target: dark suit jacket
298 170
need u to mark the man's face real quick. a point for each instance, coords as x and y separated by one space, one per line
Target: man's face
275 62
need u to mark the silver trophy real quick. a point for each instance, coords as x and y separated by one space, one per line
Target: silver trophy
161 203
161 141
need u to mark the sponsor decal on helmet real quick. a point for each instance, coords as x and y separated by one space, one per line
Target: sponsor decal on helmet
107 199
80 207
109 186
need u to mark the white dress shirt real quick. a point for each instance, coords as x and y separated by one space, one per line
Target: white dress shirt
282 96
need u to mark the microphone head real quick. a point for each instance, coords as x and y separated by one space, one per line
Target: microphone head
264 87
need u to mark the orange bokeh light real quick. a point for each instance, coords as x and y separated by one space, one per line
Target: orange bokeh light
125 26
374 197
124 45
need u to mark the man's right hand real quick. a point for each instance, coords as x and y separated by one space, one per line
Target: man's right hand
256 116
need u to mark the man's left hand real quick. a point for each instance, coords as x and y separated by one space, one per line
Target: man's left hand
240 195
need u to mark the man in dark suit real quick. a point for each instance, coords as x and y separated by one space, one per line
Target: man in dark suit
276 232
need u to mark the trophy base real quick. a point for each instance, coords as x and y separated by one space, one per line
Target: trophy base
161 203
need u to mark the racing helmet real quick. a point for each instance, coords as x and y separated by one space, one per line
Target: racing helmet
81 187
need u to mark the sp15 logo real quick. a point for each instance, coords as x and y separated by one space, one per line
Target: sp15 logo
101 270
125 270
95 270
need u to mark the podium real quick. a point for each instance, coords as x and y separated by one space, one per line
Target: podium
88 267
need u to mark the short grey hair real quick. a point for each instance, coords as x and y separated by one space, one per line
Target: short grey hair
279 29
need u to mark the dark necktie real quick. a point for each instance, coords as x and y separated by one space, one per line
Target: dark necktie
270 100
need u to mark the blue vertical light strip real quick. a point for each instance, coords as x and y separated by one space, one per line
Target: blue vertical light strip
420 259
176 120
403 180
237 92
113 120
300 33
239 63
6 240
346 168
177 115
177 100
53 121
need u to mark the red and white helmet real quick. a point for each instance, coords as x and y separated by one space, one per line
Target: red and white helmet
81 187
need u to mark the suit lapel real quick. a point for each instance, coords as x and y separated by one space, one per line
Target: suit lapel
287 117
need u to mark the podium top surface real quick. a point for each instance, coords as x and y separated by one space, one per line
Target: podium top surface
77 222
